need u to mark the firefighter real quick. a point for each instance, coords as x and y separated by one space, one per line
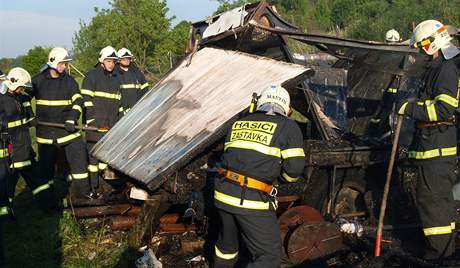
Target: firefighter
101 93
380 124
258 149
133 84
58 100
434 147
16 116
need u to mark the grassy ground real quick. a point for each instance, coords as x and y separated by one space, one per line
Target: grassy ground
38 239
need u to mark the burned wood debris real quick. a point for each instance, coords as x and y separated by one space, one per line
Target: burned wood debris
169 144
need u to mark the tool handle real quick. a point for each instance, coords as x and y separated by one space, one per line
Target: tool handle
58 125
383 206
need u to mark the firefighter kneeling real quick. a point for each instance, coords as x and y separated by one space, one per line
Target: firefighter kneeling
258 148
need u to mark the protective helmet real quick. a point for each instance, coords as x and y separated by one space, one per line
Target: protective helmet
124 53
275 94
392 36
57 55
431 36
18 77
107 52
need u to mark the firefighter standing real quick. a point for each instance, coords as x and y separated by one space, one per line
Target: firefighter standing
58 100
258 148
434 147
132 81
101 92
16 115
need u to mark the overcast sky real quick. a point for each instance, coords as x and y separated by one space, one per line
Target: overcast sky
28 23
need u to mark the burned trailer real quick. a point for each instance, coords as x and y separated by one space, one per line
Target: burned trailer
170 141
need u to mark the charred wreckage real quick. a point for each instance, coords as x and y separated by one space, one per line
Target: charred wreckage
169 144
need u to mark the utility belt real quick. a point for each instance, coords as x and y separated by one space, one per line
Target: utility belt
248 182
449 122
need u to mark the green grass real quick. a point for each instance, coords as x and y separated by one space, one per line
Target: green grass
38 239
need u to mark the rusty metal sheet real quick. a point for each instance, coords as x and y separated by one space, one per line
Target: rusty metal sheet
185 111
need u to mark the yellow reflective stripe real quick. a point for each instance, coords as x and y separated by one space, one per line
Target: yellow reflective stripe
3 153
79 176
433 153
76 96
89 121
431 110
273 151
143 86
102 166
40 188
288 178
236 202
87 92
18 123
375 120
440 230
93 168
293 152
120 109
127 110
225 256
452 225
78 108
70 121
4 210
447 99
392 90
26 104
125 86
54 102
88 104
21 164
107 95
44 141
68 137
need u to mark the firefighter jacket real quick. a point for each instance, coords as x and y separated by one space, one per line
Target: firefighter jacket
15 114
132 86
101 94
57 100
262 147
437 101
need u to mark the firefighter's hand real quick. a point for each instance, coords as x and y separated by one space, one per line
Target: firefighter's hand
70 126
33 122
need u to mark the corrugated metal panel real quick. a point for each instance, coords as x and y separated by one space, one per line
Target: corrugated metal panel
185 109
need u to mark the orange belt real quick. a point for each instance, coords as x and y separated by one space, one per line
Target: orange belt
249 182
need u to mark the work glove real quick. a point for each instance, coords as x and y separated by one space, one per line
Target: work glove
402 109
33 122
70 126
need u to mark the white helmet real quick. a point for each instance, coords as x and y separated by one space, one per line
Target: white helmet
107 52
17 77
124 53
392 36
431 36
57 55
275 94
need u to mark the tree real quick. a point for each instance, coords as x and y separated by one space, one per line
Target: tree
35 58
139 25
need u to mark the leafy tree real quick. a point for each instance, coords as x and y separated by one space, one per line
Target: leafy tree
139 25
35 58
6 64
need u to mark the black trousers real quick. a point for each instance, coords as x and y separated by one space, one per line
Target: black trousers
77 159
436 207
39 186
96 168
260 234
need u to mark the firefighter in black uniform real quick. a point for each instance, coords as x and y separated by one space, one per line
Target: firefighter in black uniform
434 147
101 93
58 100
132 81
258 149
16 115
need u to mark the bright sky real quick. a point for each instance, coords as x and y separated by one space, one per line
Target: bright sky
28 23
